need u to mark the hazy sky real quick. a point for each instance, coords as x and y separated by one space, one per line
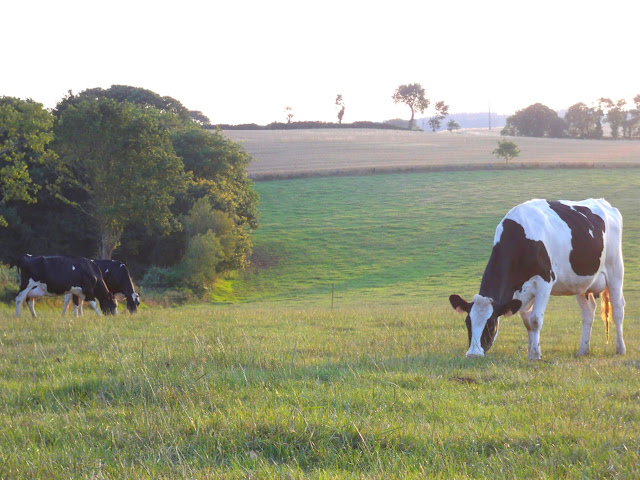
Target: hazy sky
244 61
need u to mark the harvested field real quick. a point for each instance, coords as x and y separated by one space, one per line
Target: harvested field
328 152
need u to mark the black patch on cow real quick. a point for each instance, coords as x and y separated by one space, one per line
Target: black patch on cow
587 232
514 260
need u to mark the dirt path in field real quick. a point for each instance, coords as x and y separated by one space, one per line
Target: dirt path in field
281 154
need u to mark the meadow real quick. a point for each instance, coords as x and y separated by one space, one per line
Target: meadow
275 380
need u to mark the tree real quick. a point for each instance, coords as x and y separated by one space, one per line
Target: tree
340 103
452 125
412 95
118 154
124 93
615 114
583 121
507 150
633 121
288 112
25 132
442 111
536 120
200 118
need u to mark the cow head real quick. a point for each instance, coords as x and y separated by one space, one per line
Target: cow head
482 320
108 304
133 301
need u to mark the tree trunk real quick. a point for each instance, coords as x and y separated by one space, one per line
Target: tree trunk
109 241
411 121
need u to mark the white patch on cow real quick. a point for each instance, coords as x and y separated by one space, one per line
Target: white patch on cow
481 311
106 271
73 267
77 291
591 233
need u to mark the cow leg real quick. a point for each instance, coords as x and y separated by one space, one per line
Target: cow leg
65 305
536 319
525 314
31 303
20 300
95 306
588 309
77 306
617 309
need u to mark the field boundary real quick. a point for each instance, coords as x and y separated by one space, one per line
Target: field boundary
435 168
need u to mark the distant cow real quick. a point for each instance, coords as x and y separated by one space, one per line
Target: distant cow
544 248
59 275
118 281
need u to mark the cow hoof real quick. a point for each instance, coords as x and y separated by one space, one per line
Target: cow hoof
583 353
535 356
621 350
473 355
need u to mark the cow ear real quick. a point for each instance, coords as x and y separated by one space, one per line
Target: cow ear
459 304
509 308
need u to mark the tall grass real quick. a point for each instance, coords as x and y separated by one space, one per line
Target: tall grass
307 393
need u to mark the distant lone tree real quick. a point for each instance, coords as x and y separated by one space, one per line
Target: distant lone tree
452 125
507 150
340 104
413 96
442 110
288 111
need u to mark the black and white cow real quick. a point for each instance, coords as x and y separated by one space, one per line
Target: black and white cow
544 248
59 275
118 281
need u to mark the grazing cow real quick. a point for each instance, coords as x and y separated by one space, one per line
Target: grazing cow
118 281
544 248
59 275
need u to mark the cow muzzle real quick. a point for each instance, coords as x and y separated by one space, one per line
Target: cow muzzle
475 351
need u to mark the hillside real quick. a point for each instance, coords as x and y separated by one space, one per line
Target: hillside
327 152
470 120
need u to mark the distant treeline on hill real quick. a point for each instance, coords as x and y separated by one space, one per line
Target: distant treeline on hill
469 120
306 125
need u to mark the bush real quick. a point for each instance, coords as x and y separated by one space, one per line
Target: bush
161 277
200 263
9 284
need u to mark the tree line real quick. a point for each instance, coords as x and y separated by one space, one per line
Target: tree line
580 121
125 172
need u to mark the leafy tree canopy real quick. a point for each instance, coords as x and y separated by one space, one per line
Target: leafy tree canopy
120 157
536 120
583 121
124 93
507 150
412 95
25 132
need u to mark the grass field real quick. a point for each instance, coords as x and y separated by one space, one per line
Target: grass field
280 385
303 153
407 238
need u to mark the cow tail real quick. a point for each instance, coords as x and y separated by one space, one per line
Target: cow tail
605 311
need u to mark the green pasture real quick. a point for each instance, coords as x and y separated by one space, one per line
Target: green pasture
407 238
280 385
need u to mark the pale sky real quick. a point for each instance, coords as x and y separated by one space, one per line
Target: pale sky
245 61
